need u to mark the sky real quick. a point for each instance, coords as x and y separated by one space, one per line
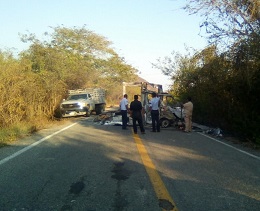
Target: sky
141 31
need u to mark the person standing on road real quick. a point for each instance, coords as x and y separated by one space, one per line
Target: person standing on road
188 109
124 110
154 108
136 109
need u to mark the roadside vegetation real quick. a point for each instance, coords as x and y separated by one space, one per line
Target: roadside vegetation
34 83
222 79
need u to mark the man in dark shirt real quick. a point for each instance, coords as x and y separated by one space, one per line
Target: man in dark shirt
136 108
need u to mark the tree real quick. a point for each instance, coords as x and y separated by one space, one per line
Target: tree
80 58
227 20
222 81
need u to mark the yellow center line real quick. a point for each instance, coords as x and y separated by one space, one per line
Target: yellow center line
158 185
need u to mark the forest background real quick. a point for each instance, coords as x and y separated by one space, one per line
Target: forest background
222 79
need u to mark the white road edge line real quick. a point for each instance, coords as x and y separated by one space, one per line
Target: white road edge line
33 145
251 155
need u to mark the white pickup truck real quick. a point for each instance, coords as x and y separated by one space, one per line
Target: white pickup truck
83 102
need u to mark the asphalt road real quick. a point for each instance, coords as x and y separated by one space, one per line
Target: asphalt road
83 165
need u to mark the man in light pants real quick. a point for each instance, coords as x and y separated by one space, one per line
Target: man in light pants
188 109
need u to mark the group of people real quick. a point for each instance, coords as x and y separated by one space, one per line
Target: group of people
136 111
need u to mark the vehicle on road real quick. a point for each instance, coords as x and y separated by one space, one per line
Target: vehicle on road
169 113
83 102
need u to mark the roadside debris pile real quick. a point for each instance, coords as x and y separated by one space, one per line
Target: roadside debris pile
215 132
114 118
109 118
104 117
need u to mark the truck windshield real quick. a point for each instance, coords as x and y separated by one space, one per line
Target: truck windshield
77 97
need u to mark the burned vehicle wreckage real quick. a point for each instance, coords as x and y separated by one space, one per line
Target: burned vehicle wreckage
169 114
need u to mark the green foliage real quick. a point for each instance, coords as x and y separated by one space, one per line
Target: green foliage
33 84
223 80
80 58
224 87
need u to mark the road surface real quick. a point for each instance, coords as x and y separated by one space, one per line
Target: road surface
82 165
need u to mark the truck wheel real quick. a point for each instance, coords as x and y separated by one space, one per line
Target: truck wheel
165 123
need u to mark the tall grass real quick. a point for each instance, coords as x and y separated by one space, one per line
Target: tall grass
10 134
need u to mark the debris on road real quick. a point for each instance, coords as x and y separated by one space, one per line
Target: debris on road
109 118
215 132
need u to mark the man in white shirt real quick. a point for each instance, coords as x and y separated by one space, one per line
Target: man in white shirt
154 108
124 109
